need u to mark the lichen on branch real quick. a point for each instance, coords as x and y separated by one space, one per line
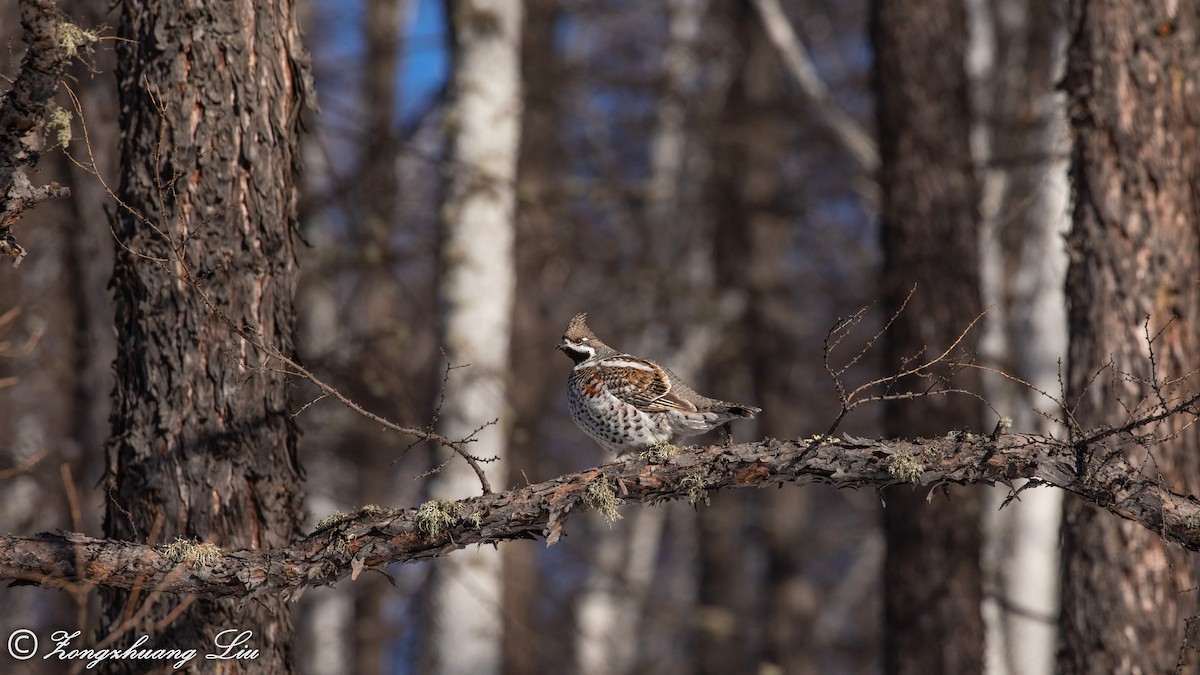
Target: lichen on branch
374 537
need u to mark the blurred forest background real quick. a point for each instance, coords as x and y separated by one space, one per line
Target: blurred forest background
717 183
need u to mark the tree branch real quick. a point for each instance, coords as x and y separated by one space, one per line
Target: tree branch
825 109
374 537
27 109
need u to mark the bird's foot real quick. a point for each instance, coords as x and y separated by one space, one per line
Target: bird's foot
728 431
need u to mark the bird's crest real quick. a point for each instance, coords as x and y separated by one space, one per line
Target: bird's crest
578 328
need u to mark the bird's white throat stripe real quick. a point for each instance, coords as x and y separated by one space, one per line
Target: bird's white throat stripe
581 349
622 363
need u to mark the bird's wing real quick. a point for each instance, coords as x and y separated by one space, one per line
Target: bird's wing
641 383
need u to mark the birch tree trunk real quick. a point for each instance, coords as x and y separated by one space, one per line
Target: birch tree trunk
477 278
203 443
1129 599
1020 143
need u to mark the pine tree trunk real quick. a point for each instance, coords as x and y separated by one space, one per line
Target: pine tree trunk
743 573
476 282
203 442
1134 302
932 580
377 298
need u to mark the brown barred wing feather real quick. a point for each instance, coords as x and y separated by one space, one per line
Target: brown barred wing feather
643 384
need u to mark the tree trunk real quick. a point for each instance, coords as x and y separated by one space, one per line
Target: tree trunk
1134 319
541 210
378 297
739 567
1020 145
476 290
930 241
203 442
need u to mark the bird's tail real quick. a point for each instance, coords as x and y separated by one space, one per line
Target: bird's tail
738 410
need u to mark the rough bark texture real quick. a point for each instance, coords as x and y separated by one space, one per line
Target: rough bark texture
374 537
932 578
203 442
1134 303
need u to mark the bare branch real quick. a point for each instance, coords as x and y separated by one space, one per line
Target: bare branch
848 132
916 366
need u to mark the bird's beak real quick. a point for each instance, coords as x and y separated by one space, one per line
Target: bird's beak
562 344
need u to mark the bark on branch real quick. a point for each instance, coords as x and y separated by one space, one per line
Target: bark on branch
27 109
374 537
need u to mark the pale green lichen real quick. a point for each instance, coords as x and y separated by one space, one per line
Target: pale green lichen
602 498
58 125
905 467
697 488
194 553
658 453
476 519
339 517
335 518
72 37
176 550
205 554
437 515
817 440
